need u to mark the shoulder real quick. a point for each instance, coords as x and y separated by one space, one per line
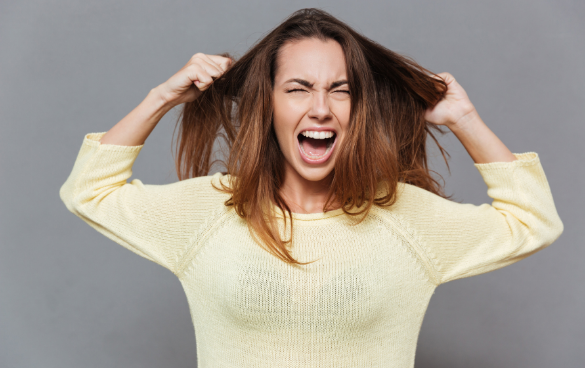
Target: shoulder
200 194
419 207
412 198
208 181
210 186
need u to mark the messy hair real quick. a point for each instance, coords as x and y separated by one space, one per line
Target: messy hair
385 143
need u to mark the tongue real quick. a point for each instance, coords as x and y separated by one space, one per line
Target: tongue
314 147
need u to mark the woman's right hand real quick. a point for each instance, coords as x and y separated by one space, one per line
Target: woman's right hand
193 78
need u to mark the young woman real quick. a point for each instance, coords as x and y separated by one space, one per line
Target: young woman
323 242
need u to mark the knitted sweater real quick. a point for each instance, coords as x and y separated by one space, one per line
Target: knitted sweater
361 304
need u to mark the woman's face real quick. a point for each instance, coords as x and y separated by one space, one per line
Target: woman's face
311 106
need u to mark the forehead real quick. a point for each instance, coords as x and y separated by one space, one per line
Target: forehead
314 60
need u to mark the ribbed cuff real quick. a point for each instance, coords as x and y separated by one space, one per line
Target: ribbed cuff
93 140
525 173
523 159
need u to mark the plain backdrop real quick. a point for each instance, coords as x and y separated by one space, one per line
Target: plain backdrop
69 297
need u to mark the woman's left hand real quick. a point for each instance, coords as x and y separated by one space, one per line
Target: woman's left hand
453 108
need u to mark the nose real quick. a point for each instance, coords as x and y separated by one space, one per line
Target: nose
320 106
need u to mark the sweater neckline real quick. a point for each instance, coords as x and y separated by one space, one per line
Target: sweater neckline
311 216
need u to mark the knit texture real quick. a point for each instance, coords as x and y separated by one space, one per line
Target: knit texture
360 305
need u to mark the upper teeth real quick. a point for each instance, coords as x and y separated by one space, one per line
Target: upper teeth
317 135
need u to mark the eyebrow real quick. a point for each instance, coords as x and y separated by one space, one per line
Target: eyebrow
310 85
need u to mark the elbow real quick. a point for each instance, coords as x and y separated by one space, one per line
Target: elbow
72 199
549 231
533 236
555 229
66 196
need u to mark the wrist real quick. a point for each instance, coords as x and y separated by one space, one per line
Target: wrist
158 98
466 122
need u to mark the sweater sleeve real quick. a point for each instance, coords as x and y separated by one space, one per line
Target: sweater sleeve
463 240
153 221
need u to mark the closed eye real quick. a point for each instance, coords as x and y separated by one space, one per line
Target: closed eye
302 90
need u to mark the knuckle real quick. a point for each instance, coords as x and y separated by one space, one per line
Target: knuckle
196 56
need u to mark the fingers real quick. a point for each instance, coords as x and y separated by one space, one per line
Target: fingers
206 68
447 77
223 62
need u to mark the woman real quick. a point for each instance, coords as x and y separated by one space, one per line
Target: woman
326 131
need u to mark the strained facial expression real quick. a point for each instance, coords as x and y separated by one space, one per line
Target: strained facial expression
311 105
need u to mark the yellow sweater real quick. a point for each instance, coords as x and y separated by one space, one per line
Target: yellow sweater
360 305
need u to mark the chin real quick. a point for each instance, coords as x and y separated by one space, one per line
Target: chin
314 173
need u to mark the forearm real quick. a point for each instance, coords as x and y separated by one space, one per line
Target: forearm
480 142
135 127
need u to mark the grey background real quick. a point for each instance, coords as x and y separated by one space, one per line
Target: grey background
70 297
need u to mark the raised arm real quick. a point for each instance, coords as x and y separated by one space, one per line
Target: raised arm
157 222
184 86
461 240
457 112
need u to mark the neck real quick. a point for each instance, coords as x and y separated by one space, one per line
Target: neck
306 196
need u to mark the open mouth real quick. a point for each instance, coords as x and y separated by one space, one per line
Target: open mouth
316 147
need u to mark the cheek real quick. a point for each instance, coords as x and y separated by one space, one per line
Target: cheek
342 115
283 131
277 122
285 120
280 134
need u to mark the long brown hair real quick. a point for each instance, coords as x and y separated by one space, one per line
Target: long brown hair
385 143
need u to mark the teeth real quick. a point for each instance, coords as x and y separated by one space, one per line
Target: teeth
317 135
